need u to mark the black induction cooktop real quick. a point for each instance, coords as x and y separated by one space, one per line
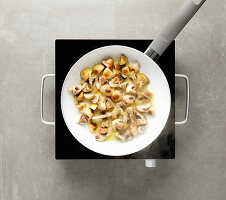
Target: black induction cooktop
67 52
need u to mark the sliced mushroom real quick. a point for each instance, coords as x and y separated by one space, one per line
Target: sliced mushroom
143 108
133 76
132 117
102 80
119 136
103 131
105 123
121 105
108 63
80 97
115 113
141 129
81 105
108 73
115 82
140 118
151 110
131 89
125 70
134 129
123 85
92 80
97 69
142 80
123 59
116 71
122 77
75 100
85 73
101 103
129 99
125 119
116 95
86 87
118 125
92 126
82 119
146 94
89 95
135 67
106 90
75 90
100 138
93 106
87 112
109 104
108 114
95 98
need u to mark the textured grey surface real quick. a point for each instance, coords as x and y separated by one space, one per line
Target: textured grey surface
28 169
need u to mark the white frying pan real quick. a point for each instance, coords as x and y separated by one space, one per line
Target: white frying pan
158 83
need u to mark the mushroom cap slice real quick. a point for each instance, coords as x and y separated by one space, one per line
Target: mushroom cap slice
106 90
140 118
115 82
123 85
129 99
93 106
75 90
100 138
80 97
118 125
123 59
108 63
81 105
97 69
134 129
121 105
116 95
89 95
105 123
143 107
95 99
86 87
108 73
102 80
151 110
82 119
92 126
108 114
85 73
115 113
131 89
130 111
135 67
119 136
87 112
125 70
109 104
142 80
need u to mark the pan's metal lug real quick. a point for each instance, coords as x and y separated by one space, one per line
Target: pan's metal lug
152 54
41 99
187 97
150 163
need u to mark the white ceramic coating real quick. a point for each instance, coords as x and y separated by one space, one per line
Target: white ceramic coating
156 123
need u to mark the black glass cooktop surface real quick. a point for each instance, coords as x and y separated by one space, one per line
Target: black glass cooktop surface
67 52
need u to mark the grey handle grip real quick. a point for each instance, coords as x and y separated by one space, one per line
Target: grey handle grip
173 28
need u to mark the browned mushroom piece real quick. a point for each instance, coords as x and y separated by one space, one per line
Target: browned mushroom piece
115 82
75 90
116 95
123 59
95 99
85 73
121 105
102 80
82 119
108 73
101 104
125 70
131 89
109 104
93 106
146 94
151 110
97 69
86 87
133 76
100 138
92 126
119 136
80 97
106 90
103 131
81 105
105 123
87 112
89 95
143 107
129 99
106 115
135 67
140 118
123 85
108 63
132 117
125 119
118 125
115 113
142 80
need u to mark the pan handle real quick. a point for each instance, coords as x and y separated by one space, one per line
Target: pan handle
187 97
173 28
41 99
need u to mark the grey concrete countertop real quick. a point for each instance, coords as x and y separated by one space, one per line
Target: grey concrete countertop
28 169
